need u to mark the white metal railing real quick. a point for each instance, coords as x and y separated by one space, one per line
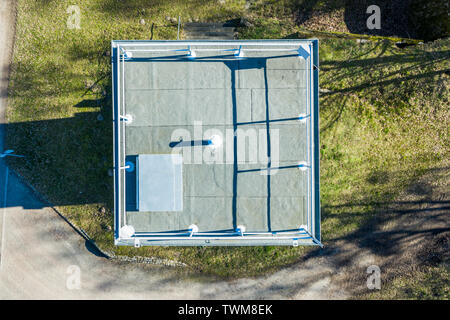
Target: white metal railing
121 116
298 232
171 43
303 233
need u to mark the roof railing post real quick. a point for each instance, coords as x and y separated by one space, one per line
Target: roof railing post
192 229
239 53
126 55
191 53
127 118
302 52
240 229
302 117
303 166
179 23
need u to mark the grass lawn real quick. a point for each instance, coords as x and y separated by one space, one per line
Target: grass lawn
384 117
434 283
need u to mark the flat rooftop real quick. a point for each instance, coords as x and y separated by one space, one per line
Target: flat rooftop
216 143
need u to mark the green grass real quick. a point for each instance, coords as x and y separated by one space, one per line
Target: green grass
383 120
428 284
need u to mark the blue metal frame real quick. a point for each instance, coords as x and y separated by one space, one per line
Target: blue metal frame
315 88
116 123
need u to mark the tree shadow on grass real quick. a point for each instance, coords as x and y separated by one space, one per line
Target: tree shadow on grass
391 76
411 19
398 233
68 159
402 235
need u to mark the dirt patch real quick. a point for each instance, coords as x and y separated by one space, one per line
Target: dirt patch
326 21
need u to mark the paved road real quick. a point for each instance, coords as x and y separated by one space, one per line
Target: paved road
42 257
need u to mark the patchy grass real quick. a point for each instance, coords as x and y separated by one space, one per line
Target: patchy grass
427 284
384 117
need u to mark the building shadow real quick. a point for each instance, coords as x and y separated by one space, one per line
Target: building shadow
67 160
